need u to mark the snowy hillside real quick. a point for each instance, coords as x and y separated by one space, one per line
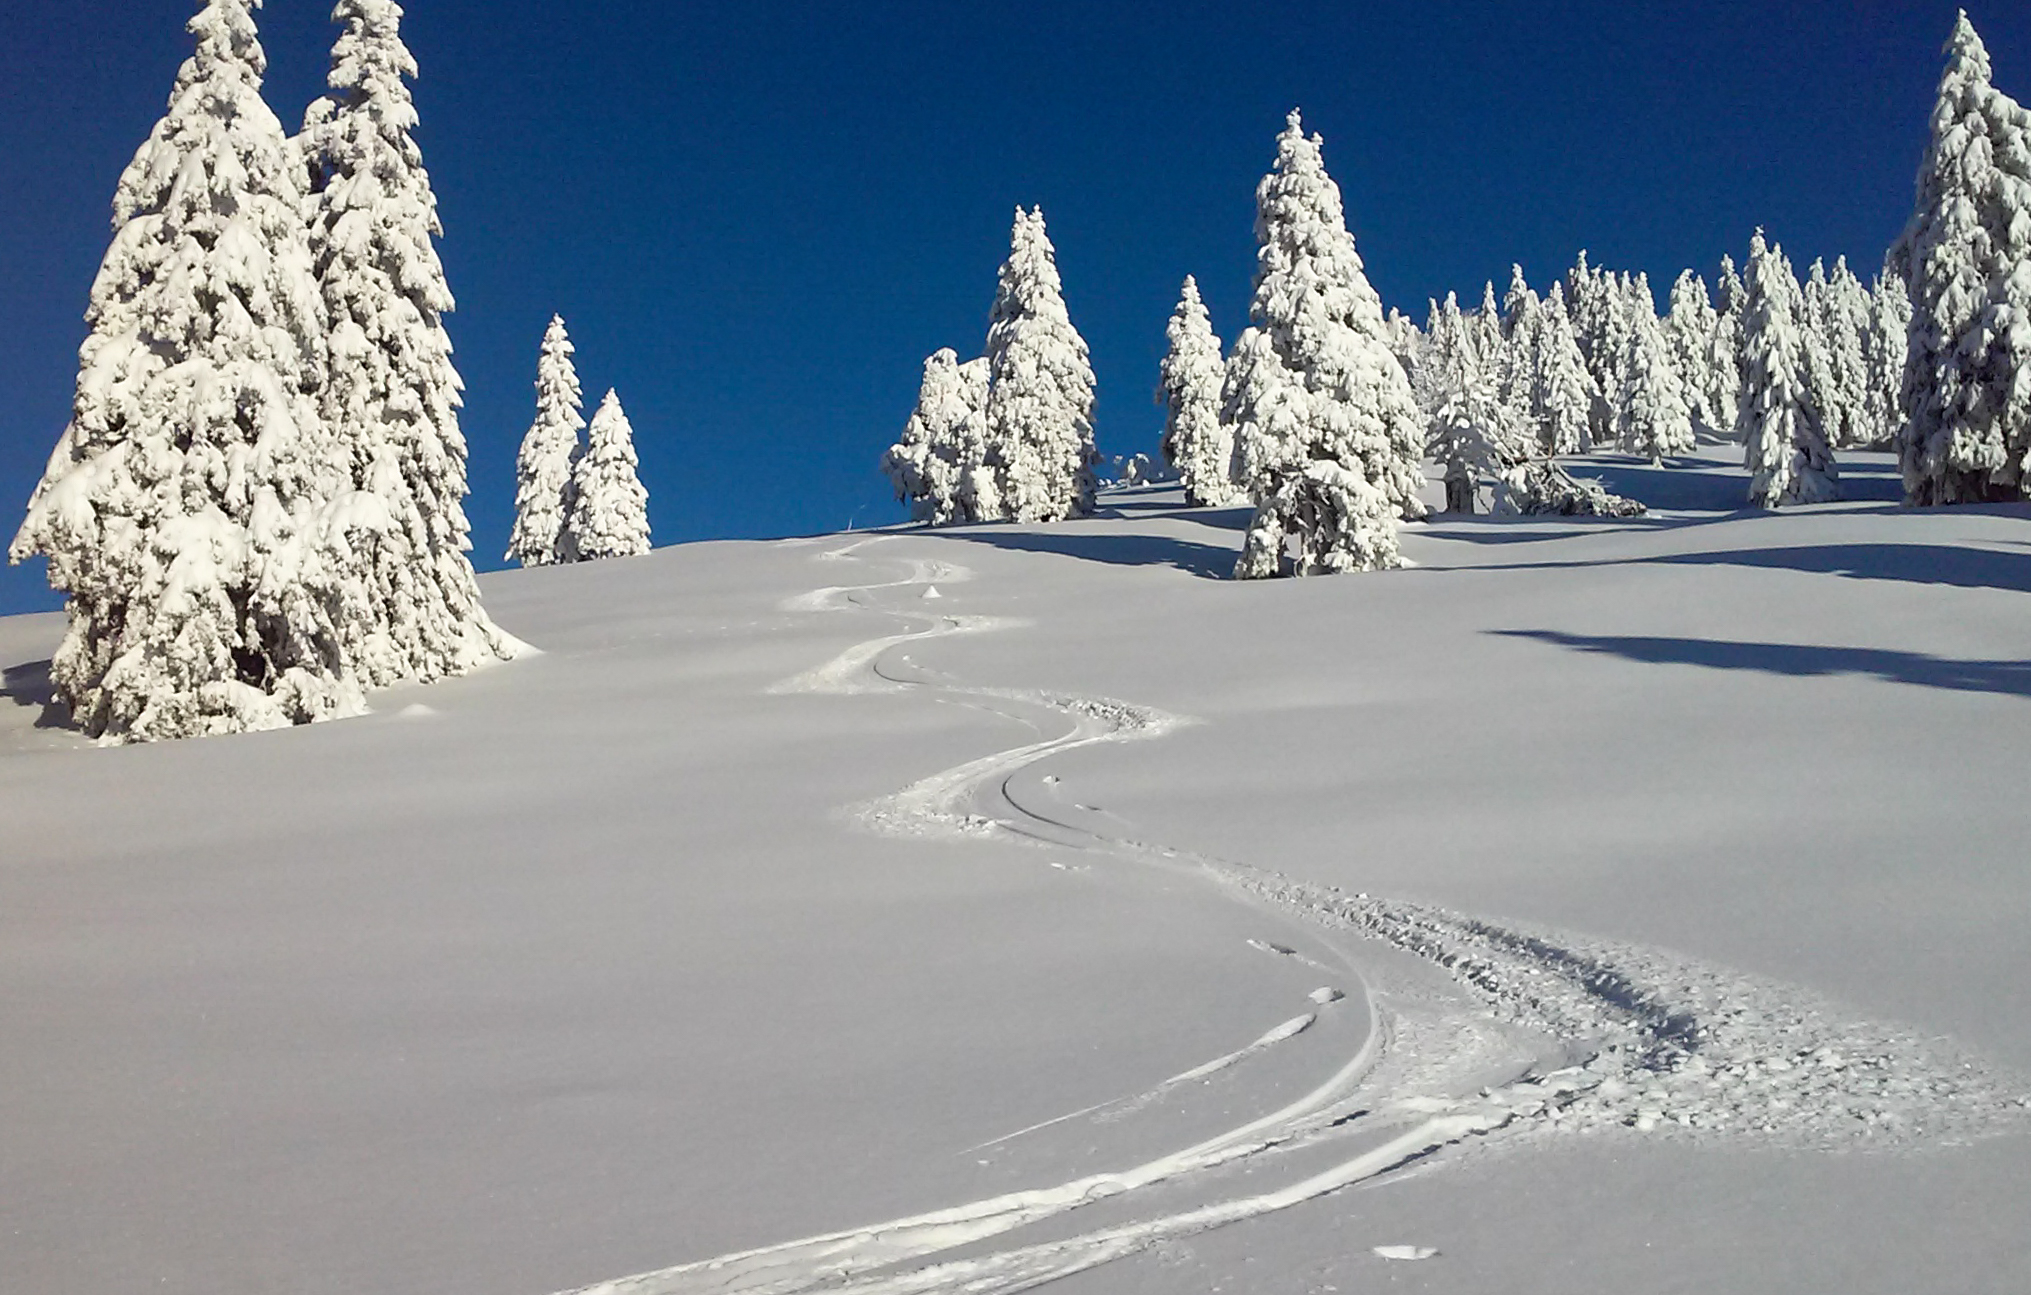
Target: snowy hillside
1600 904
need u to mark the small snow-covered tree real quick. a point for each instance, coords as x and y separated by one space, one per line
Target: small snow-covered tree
939 466
1689 330
391 395
1840 315
1888 341
1967 258
1516 377
1724 355
1787 454
549 449
183 510
1565 397
1328 439
1038 424
1487 330
609 508
1652 417
1450 356
1474 433
1195 442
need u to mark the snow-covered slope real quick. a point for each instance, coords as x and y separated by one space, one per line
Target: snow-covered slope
1663 879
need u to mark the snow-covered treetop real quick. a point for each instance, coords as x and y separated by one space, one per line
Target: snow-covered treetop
1300 222
609 507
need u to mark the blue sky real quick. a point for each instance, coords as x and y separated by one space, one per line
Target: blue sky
758 218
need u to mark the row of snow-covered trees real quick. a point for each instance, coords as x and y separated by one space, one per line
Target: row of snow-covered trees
575 501
1313 411
1933 358
256 510
1007 436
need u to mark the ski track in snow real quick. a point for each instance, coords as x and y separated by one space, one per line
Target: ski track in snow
1586 1034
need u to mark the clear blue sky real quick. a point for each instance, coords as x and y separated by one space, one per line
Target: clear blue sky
758 218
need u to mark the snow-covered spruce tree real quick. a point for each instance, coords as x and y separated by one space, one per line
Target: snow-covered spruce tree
939 466
1565 398
1787 454
1039 415
1967 258
1724 355
1888 342
1689 329
1449 357
549 448
1487 332
1473 434
609 508
1196 443
182 508
1842 318
1328 440
1516 374
1654 421
391 396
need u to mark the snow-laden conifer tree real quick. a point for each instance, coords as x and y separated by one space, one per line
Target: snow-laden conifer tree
1689 329
1888 342
390 396
1474 433
1516 376
1450 355
939 466
1488 330
1328 439
1565 397
183 510
1724 356
1842 317
1039 415
609 508
1196 442
1652 416
1787 454
1967 258
549 449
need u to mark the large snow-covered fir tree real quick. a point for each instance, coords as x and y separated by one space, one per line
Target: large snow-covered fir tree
549 449
391 395
183 510
1196 442
1328 439
1038 422
939 466
1652 419
1967 258
609 508
1475 434
1786 449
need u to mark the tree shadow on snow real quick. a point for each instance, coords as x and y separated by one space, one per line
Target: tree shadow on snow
1798 660
28 685
1925 564
1209 561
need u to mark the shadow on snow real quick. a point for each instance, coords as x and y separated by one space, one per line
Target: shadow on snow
2010 678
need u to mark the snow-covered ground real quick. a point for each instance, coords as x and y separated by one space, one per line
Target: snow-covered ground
1601 905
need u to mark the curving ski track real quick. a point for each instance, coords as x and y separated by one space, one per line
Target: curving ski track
1585 1034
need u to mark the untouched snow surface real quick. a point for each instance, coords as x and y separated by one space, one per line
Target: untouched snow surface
1597 904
